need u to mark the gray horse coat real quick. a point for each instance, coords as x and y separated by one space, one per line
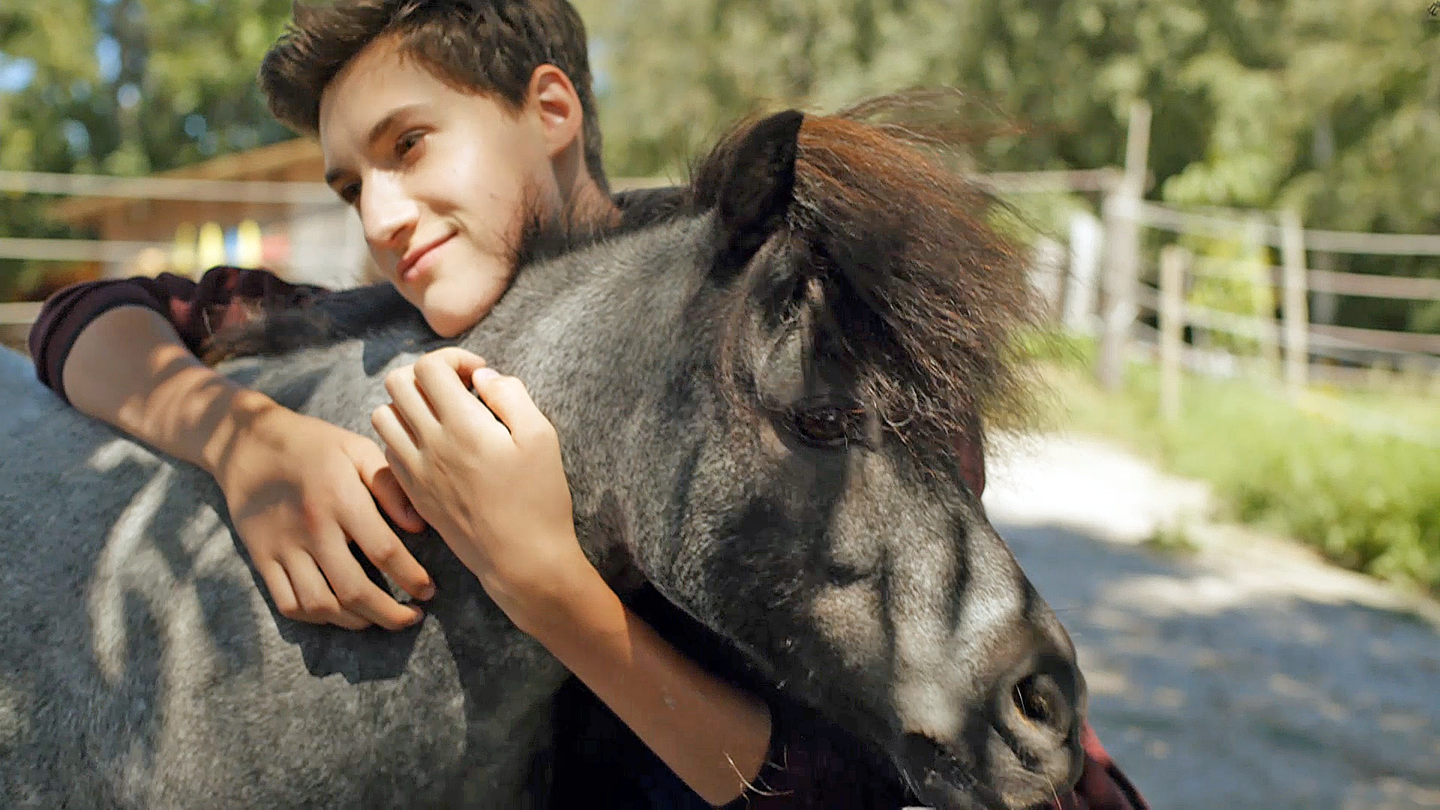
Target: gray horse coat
723 380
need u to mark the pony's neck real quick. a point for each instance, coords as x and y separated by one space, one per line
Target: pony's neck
603 339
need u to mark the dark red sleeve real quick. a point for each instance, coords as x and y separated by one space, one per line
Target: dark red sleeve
224 296
1102 785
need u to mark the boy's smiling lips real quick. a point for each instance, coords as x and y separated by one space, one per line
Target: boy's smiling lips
409 267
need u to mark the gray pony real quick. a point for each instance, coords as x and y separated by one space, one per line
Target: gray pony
768 393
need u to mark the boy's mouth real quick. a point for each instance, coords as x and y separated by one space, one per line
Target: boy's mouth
419 259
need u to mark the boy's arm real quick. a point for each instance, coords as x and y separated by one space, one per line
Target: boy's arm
487 474
194 310
134 343
659 693
299 490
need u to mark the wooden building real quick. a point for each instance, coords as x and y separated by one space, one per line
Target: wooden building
305 232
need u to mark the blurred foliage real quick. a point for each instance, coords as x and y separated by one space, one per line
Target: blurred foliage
1329 105
1366 501
1231 276
126 87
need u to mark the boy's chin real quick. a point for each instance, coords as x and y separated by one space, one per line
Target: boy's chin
452 307
449 324
453 317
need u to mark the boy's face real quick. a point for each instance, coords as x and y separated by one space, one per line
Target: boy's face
442 180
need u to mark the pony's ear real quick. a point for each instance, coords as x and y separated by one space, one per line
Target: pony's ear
757 185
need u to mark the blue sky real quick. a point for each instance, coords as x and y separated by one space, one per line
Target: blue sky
15 74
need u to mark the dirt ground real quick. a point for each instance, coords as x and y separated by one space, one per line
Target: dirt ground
1237 672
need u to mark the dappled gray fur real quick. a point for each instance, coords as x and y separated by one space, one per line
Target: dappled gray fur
144 666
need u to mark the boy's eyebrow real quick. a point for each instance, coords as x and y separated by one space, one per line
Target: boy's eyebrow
376 133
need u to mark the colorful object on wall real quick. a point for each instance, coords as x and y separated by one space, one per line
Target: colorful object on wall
275 251
249 250
244 245
210 250
182 252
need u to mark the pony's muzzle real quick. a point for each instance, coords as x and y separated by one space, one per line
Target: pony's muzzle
1022 748
1037 713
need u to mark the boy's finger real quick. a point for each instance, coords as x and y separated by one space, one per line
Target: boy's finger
508 399
399 470
443 379
400 447
462 362
384 549
410 404
357 595
317 602
278 584
385 487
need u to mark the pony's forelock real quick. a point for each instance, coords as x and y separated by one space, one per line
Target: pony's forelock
927 299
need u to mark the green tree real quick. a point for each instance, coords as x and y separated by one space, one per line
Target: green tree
1332 106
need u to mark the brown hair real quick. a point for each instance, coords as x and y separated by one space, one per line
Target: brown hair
487 46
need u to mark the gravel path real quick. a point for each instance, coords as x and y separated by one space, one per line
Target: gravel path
1243 673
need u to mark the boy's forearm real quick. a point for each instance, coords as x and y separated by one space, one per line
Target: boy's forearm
712 734
129 368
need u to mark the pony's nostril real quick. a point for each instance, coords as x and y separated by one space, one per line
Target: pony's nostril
1035 702
1044 699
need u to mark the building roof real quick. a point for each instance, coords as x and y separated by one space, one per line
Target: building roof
259 163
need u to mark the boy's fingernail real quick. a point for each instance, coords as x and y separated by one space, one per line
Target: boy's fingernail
427 593
486 374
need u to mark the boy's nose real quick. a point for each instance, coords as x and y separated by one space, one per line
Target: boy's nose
387 215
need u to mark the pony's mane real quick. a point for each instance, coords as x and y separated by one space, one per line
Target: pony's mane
922 293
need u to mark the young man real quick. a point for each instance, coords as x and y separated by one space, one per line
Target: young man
446 125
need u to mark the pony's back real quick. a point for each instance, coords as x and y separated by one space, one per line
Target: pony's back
21 395
144 666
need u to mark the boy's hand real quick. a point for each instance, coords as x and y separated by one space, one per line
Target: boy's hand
487 474
299 492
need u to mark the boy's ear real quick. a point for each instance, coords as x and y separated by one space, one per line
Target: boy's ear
757 185
561 114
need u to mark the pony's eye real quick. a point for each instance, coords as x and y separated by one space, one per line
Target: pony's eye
828 426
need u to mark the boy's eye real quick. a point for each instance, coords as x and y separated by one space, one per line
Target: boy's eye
408 141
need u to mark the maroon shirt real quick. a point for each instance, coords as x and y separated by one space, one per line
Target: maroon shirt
820 777
224 296
808 771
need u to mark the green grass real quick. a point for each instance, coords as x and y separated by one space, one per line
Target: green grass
1371 503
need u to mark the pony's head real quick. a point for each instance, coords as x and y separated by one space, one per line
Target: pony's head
858 318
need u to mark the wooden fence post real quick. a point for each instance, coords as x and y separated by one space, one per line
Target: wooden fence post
1296 316
1122 250
1047 275
1261 284
1086 244
1174 261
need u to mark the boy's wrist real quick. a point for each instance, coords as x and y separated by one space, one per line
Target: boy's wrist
245 417
569 607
